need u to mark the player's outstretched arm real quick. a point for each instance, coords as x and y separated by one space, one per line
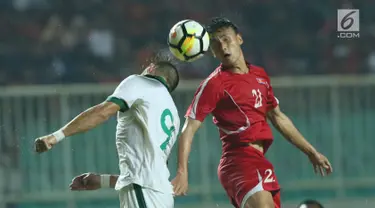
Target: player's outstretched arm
85 121
92 181
286 127
180 182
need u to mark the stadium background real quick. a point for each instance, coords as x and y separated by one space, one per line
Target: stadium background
59 57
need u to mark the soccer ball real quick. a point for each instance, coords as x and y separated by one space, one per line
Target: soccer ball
188 40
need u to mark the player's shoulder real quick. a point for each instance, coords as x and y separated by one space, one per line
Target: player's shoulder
214 79
131 78
258 70
133 81
136 79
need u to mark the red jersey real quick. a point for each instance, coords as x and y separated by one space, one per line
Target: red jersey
239 104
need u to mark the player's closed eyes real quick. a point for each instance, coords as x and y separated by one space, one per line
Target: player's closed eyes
217 43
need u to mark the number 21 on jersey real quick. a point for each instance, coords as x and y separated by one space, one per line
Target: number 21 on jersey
168 129
258 98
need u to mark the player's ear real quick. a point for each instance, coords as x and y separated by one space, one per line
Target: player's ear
150 69
144 72
239 39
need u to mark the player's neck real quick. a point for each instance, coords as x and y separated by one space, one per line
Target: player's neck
239 68
160 78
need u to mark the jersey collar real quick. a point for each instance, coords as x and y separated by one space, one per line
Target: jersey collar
160 79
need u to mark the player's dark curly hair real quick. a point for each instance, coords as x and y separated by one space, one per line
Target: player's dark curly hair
220 22
311 202
167 65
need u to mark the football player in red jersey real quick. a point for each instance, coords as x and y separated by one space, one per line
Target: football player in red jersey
240 97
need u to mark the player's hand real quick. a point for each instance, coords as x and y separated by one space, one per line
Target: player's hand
86 181
180 184
45 143
321 164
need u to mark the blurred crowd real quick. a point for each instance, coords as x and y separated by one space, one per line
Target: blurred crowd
67 41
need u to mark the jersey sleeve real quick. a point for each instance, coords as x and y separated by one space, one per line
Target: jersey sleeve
205 99
272 101
126 93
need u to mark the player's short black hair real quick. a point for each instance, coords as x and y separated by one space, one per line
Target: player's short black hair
310 202
217 23
169 71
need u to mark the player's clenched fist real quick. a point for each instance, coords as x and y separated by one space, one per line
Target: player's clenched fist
86 181
180 184
45 143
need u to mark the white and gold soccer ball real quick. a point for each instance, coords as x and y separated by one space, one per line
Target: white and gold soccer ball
188 40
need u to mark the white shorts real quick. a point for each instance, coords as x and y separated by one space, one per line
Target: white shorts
134 196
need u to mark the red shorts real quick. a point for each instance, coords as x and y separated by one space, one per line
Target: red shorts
245 171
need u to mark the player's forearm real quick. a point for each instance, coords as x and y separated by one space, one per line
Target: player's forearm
286 127
184 147
184 143
85 121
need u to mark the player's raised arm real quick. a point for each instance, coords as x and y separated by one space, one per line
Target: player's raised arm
85 121
286 127
120 100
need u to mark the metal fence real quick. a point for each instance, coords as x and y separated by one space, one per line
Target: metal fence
335 113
